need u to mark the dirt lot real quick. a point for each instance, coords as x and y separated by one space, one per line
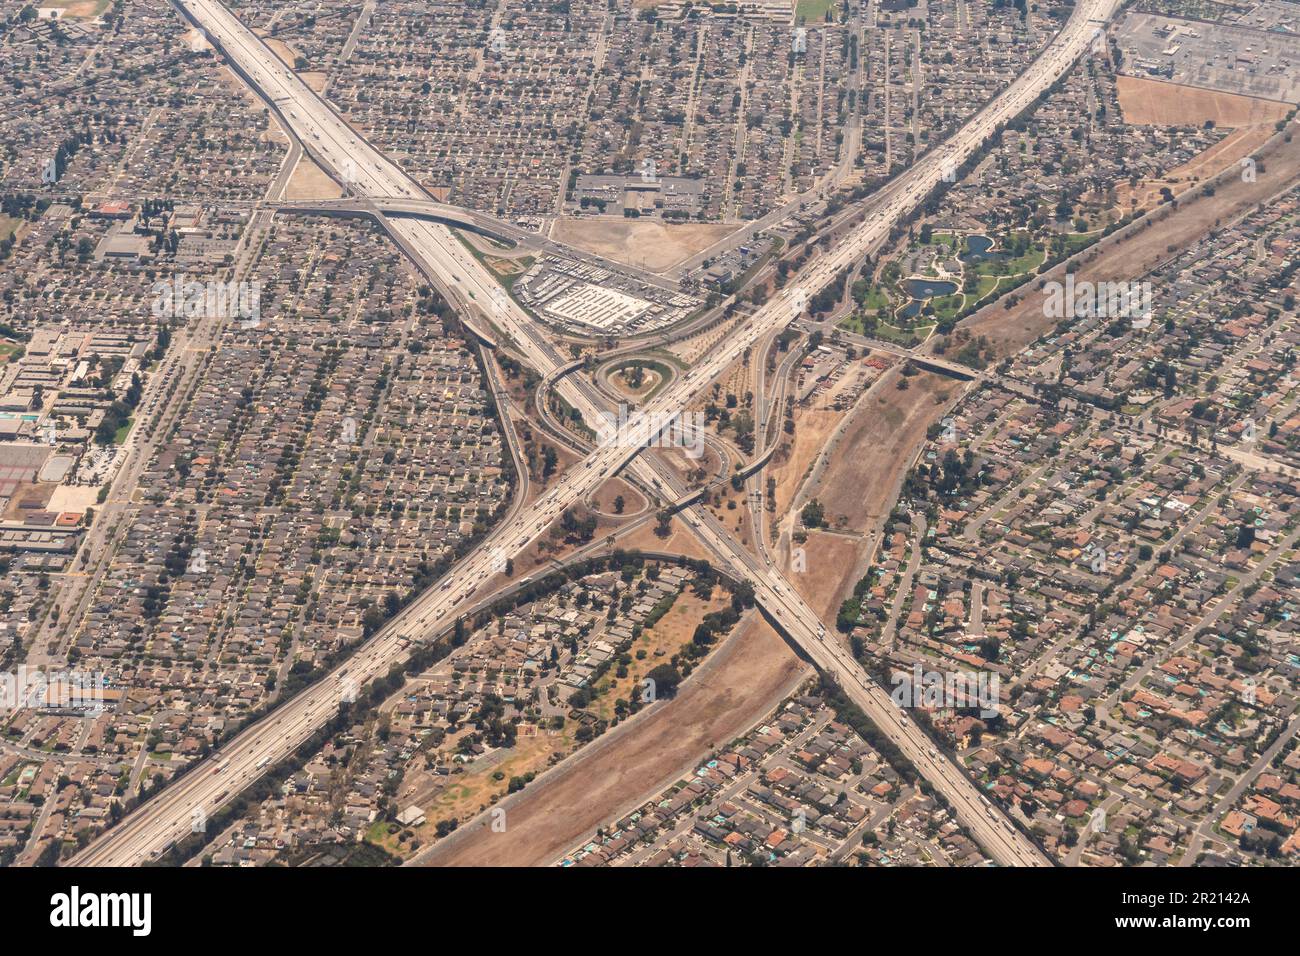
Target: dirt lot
680 540
832 570
286 53
1127 255
861 475
35 497
1157 103
648 244
315 80
82 9
309 181
790 463
633 501
737 684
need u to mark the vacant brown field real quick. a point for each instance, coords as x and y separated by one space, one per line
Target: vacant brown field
680 540
309 181
645 244
315 80
812 426
287 54
1147 102
861 477
832 561
80 9
603 499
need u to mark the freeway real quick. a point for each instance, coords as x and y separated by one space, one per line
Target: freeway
459 216
442 212
466 284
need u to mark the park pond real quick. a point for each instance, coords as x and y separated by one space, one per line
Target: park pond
922 289
980 249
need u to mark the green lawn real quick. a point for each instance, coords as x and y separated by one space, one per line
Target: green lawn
1078 240
985 286
1029 262
886 332
119 436
875 298
947 306
948 239
813 11
905 337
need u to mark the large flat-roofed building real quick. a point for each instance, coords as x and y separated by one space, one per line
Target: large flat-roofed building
582 298
597 307
672 195
776 11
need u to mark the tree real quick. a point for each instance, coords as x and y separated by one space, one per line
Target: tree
666 680
50 853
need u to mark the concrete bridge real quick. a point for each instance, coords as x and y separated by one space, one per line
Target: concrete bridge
461 218
925 360
457 216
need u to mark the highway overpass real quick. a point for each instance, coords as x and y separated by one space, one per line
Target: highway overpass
456 216
459 217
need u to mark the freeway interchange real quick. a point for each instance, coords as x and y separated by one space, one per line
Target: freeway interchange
468 286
